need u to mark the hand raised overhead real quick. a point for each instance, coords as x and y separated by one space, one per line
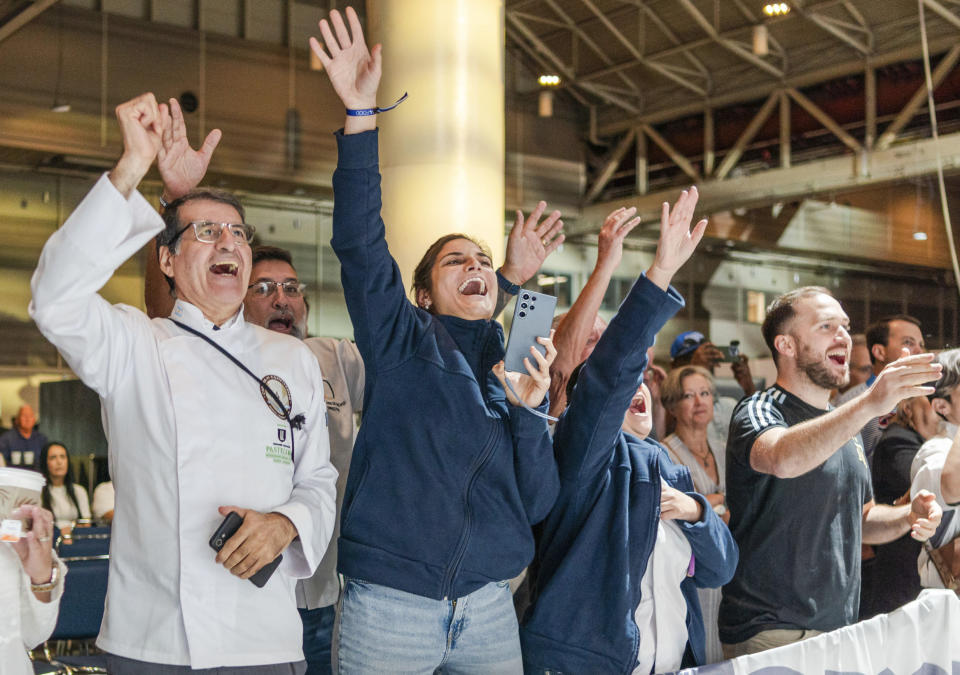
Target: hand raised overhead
181 167
354 71
141 125
616 226
530 242
677 241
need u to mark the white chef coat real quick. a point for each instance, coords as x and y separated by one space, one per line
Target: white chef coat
25 622
188 432
925 473
343 378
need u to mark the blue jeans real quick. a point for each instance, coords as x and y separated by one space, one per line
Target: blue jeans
383 630
317 635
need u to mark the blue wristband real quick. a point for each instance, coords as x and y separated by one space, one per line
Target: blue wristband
366 112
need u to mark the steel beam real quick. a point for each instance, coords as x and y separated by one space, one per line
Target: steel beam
733 156
870 106
916 158
28 14
558 63
752 93
825 119
587 40
918 99
606 173
944 13
729 44
682 162
784 130
643 179
658 67
709 143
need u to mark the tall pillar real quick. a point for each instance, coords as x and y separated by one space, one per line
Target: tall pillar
442 150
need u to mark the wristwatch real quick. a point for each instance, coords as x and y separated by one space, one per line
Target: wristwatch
50 585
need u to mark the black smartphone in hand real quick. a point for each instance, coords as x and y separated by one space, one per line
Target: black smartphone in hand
227 529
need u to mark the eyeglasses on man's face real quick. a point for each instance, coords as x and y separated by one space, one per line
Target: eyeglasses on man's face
209 232
291 289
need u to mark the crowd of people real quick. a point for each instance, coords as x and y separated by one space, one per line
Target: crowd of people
660 525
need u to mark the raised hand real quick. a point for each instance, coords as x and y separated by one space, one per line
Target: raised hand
533 386
904 378
141 125
354 71
677 241
181 167
616 227
530 242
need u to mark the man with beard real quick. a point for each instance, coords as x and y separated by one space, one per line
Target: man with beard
275 300
798 485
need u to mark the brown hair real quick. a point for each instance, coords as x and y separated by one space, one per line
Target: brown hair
781 310
671 391
421 275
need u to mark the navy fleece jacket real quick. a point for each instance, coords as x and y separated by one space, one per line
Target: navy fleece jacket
595 544
447 478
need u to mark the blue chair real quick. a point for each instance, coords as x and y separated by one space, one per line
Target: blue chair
87 558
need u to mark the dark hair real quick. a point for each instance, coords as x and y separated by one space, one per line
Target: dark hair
265 252
879 333
421 275
67 480
781 310
171 218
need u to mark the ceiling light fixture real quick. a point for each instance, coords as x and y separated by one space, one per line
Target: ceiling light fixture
549 80
776 9
920 236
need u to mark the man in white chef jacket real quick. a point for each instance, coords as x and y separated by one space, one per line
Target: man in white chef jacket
191 435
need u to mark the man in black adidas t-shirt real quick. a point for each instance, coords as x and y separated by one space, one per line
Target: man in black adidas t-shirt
798 485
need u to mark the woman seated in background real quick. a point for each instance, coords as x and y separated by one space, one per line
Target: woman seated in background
67 500
629 540
890 577
688 394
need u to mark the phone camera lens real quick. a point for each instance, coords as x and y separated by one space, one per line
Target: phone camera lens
522 314
526 297
532 308
523 304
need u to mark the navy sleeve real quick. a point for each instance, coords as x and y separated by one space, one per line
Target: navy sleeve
587 432
383 319
534 464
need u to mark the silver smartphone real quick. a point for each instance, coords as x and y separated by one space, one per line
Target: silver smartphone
532 317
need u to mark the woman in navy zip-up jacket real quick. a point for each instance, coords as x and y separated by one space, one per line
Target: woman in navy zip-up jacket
447 476
596 544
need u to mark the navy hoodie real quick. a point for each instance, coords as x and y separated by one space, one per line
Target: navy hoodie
447 478
595 544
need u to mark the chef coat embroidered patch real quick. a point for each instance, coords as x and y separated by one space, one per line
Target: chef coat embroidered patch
282 391
278 451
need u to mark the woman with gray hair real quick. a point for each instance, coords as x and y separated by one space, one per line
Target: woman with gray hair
688 394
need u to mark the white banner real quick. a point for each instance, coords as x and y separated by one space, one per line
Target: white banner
920 638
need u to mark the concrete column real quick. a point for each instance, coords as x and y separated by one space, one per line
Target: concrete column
442 150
